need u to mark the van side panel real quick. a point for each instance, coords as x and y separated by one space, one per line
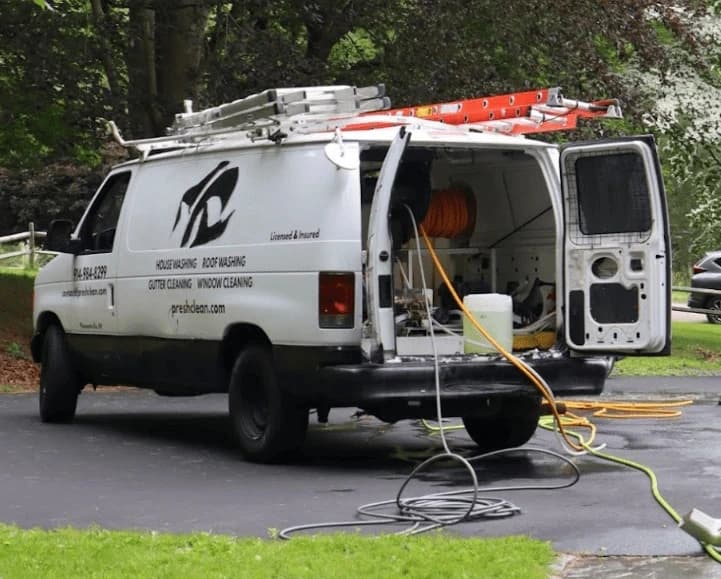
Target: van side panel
236 237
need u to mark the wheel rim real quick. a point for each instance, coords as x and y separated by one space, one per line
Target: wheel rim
253 408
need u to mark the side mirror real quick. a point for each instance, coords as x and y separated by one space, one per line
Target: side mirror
58 237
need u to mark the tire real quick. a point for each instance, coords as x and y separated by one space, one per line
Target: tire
59 382
508 422
714 303
267 423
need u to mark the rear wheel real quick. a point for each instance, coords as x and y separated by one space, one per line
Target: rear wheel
267 422
506 423
59 382
714 303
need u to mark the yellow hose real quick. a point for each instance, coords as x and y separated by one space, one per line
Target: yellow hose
626 410
545 392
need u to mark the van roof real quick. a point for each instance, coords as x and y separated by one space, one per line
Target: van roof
425 133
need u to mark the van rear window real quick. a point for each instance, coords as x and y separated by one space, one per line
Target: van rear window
613 195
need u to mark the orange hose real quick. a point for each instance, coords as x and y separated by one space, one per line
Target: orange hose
451 213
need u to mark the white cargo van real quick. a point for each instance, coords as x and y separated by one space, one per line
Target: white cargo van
268 249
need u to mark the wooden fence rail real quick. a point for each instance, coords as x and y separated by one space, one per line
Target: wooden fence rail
696 290
30 245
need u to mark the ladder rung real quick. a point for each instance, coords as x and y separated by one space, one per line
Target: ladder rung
340 92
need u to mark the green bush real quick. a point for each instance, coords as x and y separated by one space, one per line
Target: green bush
58 190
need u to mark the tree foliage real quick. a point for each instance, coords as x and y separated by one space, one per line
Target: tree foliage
52 88
137 60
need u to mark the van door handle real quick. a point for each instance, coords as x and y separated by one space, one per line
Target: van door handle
111 296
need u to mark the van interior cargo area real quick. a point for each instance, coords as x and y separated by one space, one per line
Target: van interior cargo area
489 216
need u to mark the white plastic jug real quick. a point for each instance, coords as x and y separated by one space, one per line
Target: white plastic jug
495 313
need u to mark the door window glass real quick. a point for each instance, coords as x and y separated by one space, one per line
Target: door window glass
98 230
613 196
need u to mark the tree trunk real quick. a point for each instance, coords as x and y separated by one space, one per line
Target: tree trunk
107 56
179 40
143 114
325 25
165 49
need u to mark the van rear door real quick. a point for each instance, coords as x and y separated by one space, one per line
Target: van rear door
379 266
616 248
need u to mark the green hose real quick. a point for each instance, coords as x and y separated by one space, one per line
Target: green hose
547 422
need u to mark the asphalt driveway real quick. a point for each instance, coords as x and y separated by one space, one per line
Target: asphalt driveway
135 460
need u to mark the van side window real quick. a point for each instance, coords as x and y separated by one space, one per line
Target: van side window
98 229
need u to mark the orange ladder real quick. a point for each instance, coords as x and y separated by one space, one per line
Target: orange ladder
534 111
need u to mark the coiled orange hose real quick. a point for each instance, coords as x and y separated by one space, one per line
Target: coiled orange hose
451 213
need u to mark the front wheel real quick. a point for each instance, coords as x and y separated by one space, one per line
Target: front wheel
714 303
507 423
267 422
59 382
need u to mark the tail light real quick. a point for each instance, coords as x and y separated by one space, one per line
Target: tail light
697 269
336 299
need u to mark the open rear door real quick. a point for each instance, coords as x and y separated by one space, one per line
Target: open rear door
379 267
616 249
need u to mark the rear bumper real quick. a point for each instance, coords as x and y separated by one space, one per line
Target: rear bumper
463 382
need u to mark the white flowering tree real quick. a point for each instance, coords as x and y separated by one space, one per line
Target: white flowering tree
686 117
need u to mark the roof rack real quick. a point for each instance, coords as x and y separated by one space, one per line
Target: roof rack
274 113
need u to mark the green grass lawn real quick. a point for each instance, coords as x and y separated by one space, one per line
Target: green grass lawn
100 553
16 291
695 351
679 297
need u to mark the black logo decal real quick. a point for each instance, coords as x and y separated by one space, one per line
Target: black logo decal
196 201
